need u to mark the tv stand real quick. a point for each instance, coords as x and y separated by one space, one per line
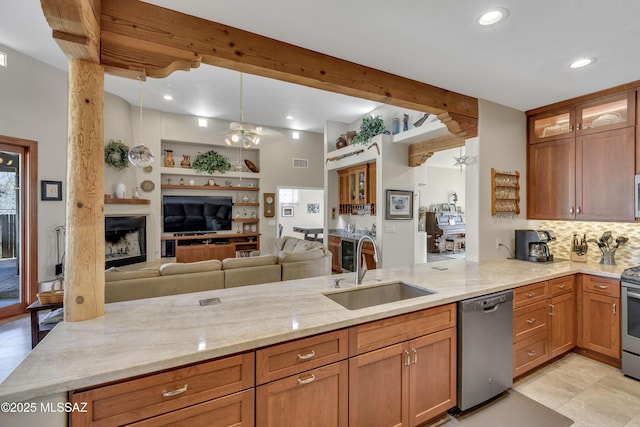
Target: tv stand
206 246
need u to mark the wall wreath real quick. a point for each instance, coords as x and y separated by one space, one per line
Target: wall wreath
116 154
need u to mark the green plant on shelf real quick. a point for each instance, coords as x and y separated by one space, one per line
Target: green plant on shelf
211 162
370 127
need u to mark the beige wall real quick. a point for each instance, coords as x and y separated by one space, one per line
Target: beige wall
33 106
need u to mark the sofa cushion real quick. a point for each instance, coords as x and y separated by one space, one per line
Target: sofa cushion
172 268
231 263
293 256
115 275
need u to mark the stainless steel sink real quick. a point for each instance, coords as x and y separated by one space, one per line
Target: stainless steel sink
370 296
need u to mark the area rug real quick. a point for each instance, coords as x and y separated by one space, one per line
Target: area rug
510 409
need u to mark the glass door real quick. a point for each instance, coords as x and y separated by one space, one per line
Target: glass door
12 298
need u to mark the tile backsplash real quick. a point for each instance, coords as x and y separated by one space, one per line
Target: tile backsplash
628 254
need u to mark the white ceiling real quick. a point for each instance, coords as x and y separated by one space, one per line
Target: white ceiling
521 63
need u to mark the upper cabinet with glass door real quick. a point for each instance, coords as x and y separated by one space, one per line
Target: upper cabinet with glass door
604 113
610 112
554 124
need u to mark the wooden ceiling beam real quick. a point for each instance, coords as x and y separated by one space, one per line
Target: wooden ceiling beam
420 152
76 26
240 50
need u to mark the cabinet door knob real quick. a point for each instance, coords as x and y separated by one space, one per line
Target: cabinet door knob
552 309
615 308
408 358
571 210
602 286
531 353
531 321
562 286
531 294
415 356
578 210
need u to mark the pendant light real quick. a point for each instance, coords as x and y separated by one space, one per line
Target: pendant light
141 155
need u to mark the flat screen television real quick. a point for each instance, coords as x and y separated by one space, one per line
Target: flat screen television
193 214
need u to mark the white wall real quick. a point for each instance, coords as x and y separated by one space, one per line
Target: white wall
501 144
440 184
301 217
34 107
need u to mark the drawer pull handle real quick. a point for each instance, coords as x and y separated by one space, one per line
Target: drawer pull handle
531 294
615 308
175 392
407 361
308 380
562 286
552 310
306 356
531 353
531 321
415 356
601 286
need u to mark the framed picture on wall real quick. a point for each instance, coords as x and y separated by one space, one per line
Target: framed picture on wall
50 190
399 204
287 211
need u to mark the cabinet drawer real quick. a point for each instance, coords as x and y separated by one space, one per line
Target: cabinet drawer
293 357
601 285
235 410
146 397
529 353
318 397
561 285
530 320
530 294
381 333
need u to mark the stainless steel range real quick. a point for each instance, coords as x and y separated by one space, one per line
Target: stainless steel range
631 322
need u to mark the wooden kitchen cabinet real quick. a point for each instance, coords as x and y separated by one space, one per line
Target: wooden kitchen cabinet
403 369
304 382
562 315
543 322
356 187
600 315
215 393
581 161
334 248
318 397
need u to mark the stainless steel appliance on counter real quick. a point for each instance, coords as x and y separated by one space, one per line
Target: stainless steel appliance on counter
630 300
485 341
531 245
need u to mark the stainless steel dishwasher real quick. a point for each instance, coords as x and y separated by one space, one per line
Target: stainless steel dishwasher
485 328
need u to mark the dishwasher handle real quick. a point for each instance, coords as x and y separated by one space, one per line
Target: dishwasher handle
491 309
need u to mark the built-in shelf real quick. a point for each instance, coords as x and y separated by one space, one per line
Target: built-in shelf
193 172
246 204
208 187
420 134
244 219
113 201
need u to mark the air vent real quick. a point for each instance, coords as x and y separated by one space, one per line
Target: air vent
301 163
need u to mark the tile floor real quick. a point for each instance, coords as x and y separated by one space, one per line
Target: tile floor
590 393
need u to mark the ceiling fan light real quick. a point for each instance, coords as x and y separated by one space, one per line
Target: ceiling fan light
235 138
256 140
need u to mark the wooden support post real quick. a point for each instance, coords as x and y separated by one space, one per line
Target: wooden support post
84 273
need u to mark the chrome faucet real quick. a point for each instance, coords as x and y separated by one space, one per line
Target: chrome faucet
361 270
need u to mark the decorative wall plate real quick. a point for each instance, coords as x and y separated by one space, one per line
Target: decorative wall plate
147 185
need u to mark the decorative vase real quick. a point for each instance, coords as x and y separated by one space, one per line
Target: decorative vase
168 159
121 189
186 161
341 142
245 198
395 126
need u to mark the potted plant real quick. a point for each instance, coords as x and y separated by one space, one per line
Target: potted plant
211 162
370 127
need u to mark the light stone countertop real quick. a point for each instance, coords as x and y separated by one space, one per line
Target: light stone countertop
143 336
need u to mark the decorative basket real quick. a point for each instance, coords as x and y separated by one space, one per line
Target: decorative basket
54 295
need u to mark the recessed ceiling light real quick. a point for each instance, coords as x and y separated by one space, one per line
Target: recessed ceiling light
582 62
493 16
289 117
168 97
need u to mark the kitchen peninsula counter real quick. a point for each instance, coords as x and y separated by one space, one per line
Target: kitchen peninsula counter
142 336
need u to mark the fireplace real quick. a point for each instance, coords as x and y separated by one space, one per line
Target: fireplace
125 240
